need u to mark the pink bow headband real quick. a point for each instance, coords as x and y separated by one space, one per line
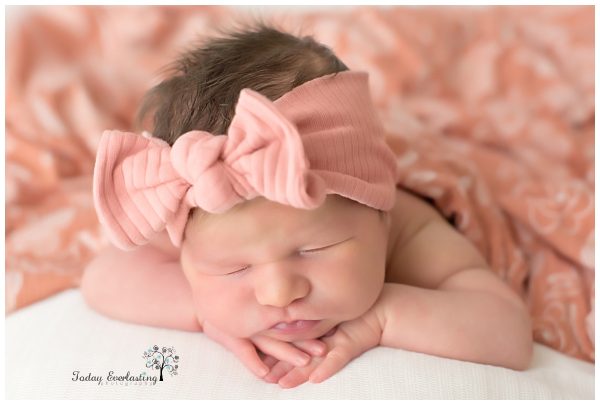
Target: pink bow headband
323 137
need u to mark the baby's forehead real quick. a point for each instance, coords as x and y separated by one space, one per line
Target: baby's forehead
261 208
261 215
261 233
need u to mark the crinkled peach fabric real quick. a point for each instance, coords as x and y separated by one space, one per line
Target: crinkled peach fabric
490 110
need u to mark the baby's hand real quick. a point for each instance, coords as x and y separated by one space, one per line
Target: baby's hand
296 353
351 339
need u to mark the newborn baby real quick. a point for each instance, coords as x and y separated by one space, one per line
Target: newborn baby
287 240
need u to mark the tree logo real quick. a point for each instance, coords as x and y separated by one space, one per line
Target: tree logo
163 359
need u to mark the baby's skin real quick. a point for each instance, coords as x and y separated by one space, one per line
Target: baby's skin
297 294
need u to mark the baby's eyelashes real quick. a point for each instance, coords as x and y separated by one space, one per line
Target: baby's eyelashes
310 251
315 250
300 253
239 271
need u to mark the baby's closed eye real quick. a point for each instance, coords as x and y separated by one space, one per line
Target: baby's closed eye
318 249
301 252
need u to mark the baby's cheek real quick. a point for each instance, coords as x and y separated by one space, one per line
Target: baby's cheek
363 284
225 310
339 297
206 302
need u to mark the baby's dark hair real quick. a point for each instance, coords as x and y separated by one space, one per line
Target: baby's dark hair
204 83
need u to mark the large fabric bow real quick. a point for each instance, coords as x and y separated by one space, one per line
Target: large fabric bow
142 185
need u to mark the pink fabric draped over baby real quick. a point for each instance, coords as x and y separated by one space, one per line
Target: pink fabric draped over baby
490 111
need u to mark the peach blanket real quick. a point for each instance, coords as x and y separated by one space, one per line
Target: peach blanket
490 109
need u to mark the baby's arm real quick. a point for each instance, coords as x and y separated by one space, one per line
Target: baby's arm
444 300
440 298
145 286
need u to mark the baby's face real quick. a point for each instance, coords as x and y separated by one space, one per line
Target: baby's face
264 263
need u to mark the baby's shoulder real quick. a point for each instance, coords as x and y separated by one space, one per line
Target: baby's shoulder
410 212
420 230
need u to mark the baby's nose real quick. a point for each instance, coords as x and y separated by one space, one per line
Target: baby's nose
280 289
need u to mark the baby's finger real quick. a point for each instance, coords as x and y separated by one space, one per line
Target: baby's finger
295 377
282 350
335 360
242 348
314 346
269 360
277 371
246 353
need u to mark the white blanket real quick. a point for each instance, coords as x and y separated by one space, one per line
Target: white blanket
50 340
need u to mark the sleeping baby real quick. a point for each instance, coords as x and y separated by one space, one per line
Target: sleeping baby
263 209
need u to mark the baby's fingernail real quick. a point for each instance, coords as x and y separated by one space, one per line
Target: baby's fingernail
262 371
270 378
318 350
313 378
301 360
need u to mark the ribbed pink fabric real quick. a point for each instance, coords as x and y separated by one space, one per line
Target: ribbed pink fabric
323 137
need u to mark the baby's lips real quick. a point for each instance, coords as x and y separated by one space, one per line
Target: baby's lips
299 324
295 327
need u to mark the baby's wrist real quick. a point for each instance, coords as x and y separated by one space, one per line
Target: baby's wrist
385 303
